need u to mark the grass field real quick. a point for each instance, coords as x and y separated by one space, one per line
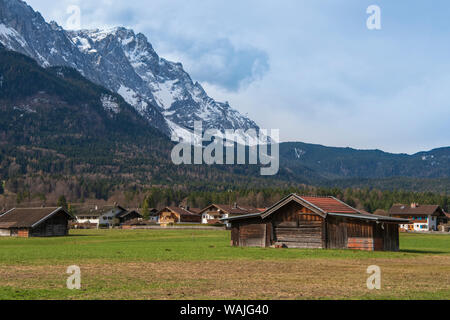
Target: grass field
199 264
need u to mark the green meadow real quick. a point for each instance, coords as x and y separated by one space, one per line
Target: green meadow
201 264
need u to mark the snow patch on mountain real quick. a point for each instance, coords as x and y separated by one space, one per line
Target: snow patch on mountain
167 94
9 34
109 103
132 98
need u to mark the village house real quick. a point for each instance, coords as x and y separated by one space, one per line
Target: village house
153 215
420 217
106 216
35 222
170 215
317 223
214 213
126 216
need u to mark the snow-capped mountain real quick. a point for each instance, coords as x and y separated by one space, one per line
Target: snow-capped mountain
123 62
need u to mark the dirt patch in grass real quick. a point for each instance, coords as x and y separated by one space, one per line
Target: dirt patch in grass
424 277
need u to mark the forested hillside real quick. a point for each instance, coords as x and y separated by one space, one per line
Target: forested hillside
61 134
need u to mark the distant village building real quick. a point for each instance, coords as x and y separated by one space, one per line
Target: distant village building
106 216
35 222
170 215
153 215
214 213
126 216
315 222
420 217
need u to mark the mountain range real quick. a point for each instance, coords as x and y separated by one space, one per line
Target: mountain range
101 104
123 62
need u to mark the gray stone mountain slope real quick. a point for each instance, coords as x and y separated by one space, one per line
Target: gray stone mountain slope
123 62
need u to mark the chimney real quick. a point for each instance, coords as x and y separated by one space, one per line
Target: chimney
235 205
414 205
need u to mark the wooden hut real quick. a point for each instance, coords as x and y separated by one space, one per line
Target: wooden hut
315 222
35 222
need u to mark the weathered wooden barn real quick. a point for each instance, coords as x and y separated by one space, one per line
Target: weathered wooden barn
315 222
35 222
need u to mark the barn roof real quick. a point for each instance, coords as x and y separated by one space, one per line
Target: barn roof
320 205
369 216
330 205
323 206
28 217
400 209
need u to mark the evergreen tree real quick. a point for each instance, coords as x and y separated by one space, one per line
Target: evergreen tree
145 209
62 202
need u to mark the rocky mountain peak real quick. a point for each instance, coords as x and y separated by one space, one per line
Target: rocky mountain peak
124 62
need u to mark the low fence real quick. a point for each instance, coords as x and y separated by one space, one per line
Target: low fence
176 227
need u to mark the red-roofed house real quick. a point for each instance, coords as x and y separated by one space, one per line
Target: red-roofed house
317 223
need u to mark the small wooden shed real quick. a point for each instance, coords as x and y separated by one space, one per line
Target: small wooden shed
35 222
317 223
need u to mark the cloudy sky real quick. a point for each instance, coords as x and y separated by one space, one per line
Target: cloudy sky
311 68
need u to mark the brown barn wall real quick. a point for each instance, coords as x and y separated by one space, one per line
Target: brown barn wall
389 235
252 235
336 233
294 226
23 233
344 233
235 235
56 226
354 234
